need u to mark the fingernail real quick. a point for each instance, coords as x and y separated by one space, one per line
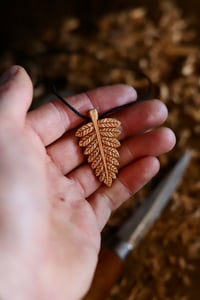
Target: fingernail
8 74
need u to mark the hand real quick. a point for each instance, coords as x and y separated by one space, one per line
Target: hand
52 207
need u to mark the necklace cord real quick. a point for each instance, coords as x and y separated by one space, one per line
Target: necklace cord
54 91
115 109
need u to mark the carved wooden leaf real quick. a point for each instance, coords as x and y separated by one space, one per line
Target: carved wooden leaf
99 138
86 129
86 140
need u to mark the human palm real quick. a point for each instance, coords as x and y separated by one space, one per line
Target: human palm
55 206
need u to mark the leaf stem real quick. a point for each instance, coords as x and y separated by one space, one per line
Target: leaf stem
94 118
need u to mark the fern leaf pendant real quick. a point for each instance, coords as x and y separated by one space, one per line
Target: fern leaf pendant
99 138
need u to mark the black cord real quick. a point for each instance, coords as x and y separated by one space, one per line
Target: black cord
54 91
115 109
109 112
143 98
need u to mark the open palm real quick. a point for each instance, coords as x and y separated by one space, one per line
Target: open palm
55 206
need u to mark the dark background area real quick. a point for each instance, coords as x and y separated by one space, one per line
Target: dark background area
26 19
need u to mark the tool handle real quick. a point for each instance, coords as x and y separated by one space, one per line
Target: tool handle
108 271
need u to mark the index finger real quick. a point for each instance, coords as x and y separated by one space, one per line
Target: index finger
52 120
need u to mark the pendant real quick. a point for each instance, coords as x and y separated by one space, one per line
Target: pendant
100 140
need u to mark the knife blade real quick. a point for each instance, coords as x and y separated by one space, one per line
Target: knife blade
136 227
116 249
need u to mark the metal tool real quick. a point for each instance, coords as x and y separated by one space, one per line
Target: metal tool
112 257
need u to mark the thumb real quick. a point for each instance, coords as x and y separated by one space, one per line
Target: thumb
15 95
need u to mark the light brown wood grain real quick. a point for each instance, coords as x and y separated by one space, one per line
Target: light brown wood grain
100 139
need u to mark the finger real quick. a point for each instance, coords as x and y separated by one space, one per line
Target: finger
141 117
130 180
152 143
15 95
52 120
67 154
